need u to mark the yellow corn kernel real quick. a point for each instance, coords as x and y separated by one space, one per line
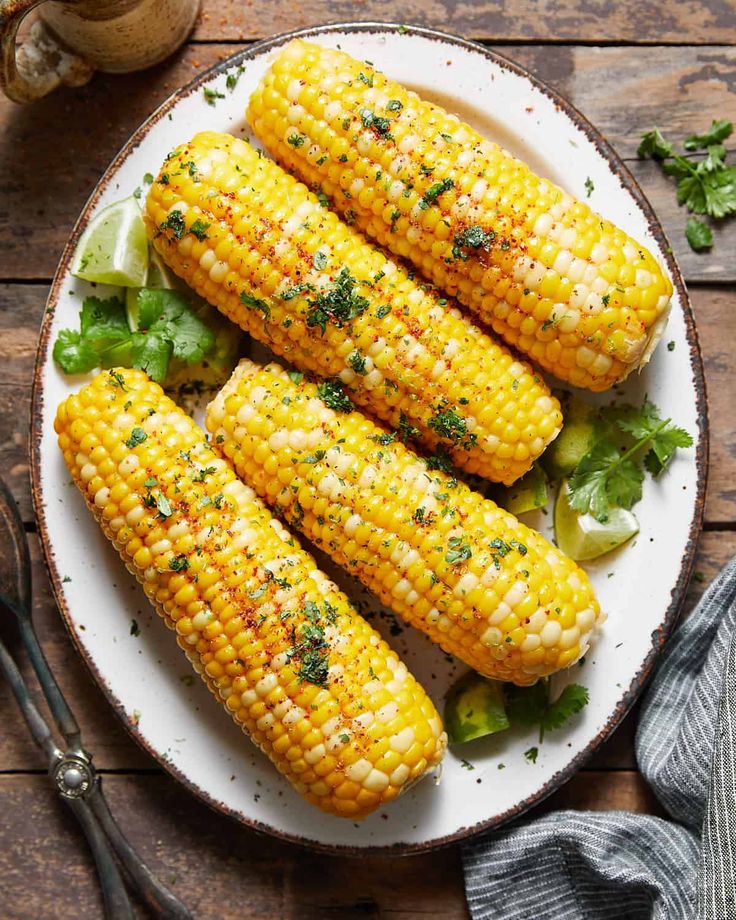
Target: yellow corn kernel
474 220
486 588
321 297
263 627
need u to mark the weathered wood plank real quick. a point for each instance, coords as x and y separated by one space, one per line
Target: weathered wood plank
43 186
21 308
218 868
39 840
113 748
569 20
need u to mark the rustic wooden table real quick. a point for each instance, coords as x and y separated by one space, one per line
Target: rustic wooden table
627 66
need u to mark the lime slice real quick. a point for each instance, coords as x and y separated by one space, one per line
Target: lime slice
527 494
474 708
159 274
582 537
114 248
579 433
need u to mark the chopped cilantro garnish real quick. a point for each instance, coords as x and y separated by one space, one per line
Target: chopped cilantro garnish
458 551
199 229
357 362
333 395
448 424
338 303
137 436
175 223
253 303
434 192
179 563
473 237
211 95
377 123
163 505
407 431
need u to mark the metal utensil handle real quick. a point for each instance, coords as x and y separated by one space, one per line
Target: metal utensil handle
18 584
21 607
117 904
155 895
60 710
36 723
114 895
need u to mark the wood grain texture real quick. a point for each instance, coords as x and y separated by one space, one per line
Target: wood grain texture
623 91
223 871
697 22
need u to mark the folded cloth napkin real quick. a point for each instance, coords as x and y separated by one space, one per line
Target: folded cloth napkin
573 865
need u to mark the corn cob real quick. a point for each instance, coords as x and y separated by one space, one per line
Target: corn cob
278 645
260 247
482 585
555 280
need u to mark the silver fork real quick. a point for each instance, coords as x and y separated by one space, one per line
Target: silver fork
70 765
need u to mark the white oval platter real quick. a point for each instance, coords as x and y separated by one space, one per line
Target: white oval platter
145 676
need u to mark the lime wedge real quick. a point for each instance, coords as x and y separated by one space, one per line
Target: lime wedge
131 307
474 708
114 248
582 537
527 494
159 274
579 433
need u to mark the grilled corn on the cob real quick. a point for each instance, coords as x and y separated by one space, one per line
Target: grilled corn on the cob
485 587
259 246
277 643
559 283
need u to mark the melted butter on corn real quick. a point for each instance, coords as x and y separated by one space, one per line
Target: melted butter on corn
485 587
259 246
558 282
278 645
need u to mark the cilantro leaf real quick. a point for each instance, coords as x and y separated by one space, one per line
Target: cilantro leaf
151 353
74 354
573 699
103 322
624 484
663 447
698 234
608 477
588 484
719 130
527 706
654 145
167 315
704 186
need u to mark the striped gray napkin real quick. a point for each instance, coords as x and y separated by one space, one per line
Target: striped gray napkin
573 865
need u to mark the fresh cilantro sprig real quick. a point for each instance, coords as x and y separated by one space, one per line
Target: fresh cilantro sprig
705 186
608 477
530 706
167 327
